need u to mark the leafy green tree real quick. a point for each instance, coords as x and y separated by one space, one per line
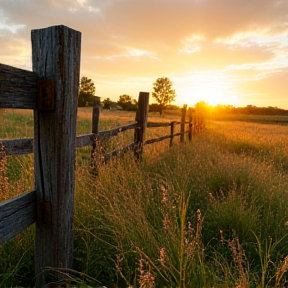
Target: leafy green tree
127 103
163 92
107 103
86 92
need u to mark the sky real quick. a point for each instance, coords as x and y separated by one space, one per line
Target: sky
232 52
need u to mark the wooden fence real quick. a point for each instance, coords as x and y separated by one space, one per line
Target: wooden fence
187 127
51 90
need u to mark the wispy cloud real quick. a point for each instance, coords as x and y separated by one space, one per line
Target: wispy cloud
147 39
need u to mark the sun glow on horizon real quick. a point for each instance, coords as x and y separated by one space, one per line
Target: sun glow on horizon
208 88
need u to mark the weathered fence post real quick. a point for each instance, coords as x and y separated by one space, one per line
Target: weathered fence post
95 130
141 119
182 127
96 115
190 131
172 129
56 56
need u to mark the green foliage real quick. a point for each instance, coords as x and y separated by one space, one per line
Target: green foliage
22 124
127 103
107 103
17 260
163 92
86 92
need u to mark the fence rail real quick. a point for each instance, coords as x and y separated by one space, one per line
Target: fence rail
53 87
25 145
17 146
16 215
18 88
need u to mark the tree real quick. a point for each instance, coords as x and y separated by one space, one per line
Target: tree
107 103
163 92
86 92
127 103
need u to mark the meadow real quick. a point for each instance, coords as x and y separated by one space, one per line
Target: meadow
210 213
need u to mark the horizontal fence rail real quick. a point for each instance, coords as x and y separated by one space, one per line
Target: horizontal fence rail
18 88
17 146
25 145
16 215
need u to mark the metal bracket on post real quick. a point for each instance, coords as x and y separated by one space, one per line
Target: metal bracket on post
46 94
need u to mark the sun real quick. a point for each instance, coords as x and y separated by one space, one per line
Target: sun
211 90
212 93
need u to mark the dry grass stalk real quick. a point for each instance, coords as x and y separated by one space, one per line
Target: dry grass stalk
146 278
282 273
240 260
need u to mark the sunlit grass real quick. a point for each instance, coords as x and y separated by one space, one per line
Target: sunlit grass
212 213
16 123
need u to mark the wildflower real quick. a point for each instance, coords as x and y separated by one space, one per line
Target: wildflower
164 195
198 215
146 278
165 223
162 256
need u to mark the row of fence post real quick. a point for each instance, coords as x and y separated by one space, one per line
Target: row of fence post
140 131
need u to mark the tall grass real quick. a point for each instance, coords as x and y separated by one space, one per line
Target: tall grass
207 214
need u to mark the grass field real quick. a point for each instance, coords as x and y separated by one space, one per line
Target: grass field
211 213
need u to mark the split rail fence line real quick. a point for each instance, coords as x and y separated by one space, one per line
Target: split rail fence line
51 90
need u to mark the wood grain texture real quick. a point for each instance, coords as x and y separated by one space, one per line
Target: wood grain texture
18 88
17 146
56 56
16 215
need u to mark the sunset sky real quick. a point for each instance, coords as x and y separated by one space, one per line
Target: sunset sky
220 51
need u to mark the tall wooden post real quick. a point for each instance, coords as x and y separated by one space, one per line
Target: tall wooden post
190 132
95 130
172 129
182 127
96 115
141 119
56 56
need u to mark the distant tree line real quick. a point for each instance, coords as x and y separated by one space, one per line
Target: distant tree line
163 94
249 110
